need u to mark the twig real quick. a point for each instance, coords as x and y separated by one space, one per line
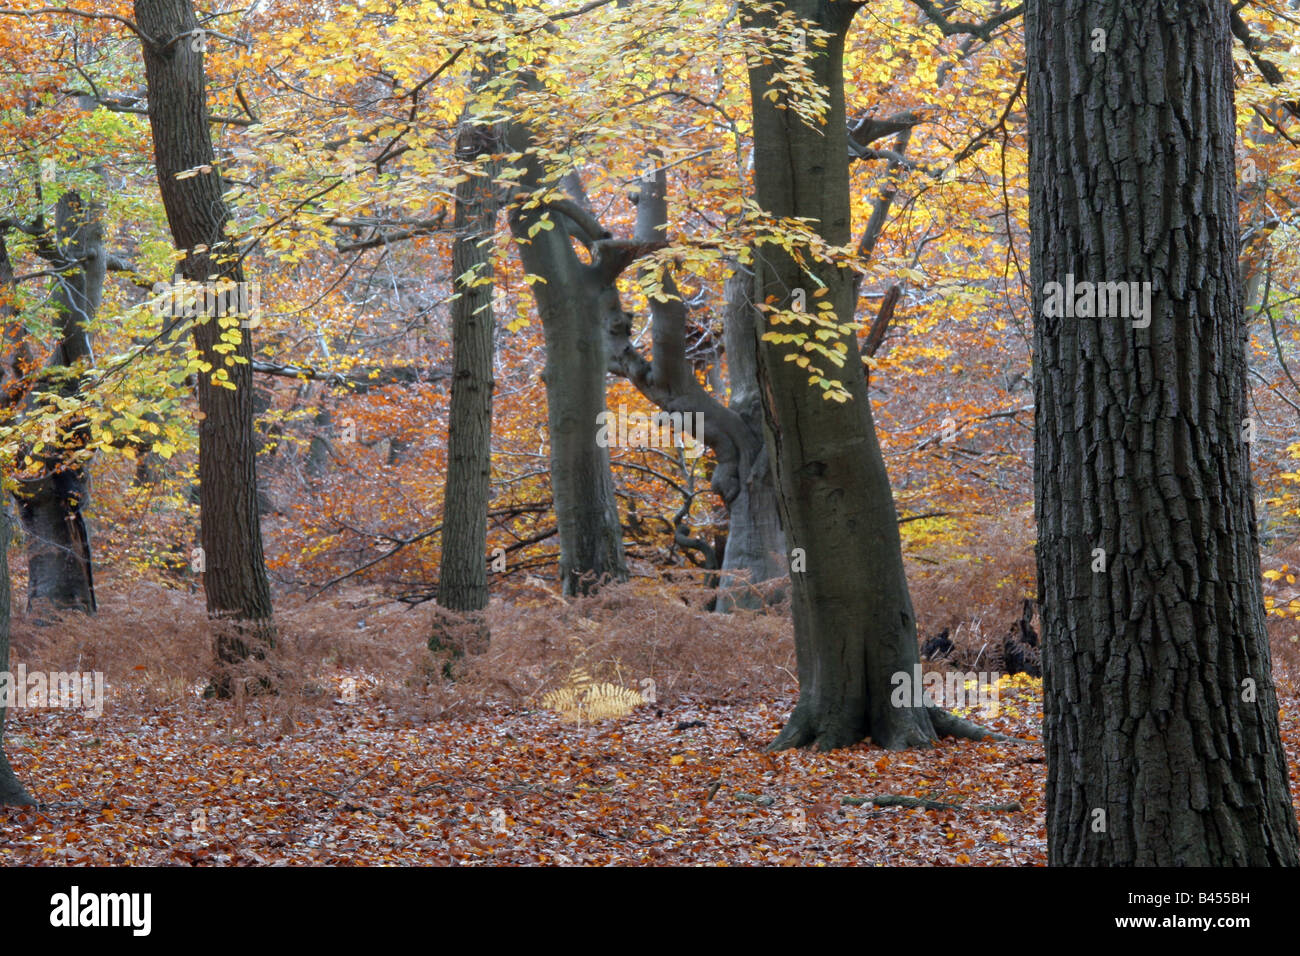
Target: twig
900 800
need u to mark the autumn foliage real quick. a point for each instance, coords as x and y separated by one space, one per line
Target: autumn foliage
335 130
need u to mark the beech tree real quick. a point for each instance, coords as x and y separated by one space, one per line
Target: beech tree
742 477
1160 720
855 628
51 496
572 303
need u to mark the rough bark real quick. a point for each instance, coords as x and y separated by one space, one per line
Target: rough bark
235 581
13 369
854 624
1160 720
12 792
51 500
573 303
462 575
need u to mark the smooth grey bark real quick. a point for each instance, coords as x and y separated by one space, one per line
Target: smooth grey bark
235 580
50 503
462 574
1161 718
573 304
854 625
756 547
741 477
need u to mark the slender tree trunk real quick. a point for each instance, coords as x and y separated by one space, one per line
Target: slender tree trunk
755 549
13 369
755 542
50 502
235 580
12 792
1160 721
462 577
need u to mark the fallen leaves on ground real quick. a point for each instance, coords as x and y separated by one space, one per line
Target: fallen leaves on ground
352 784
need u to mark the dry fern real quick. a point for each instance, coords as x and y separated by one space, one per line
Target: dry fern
580 699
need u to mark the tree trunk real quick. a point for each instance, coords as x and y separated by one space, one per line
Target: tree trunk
50 502
462 576
741 477
13 368
234 580
12 792
573 303
1160 719
755 541
854 625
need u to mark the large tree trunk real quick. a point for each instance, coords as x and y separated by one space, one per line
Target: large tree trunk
235 580
854 628
462 576
572 303
854 625
50 502
1161 717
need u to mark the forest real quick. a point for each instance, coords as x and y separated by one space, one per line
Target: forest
649 433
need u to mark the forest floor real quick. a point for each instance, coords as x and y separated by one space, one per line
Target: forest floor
355 785
359 767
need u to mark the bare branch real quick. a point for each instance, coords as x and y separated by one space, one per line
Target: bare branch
951 28
71 11
359 380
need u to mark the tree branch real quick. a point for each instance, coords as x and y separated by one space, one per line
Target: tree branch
128 23
359 381
957 27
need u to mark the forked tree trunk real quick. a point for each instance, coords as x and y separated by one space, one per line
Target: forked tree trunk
234 580
1161 719
50 503
572 303
741 477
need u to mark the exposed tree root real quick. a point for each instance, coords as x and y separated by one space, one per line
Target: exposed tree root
822 733
802 731
947 724
12 792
